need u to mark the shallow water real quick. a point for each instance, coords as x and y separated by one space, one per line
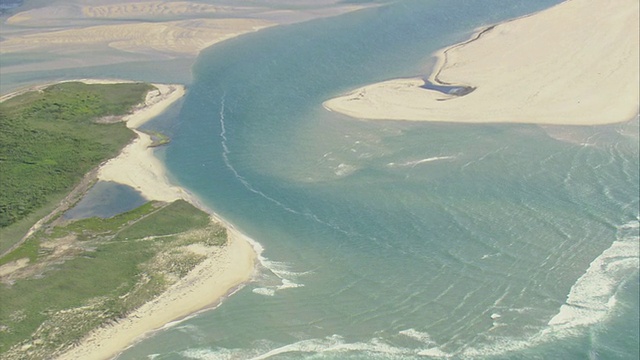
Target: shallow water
394 239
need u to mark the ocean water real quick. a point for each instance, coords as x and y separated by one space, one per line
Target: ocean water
397 240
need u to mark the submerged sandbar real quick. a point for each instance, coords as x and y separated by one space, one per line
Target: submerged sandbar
573 64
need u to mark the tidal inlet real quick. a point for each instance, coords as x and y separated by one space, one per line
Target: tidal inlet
319 179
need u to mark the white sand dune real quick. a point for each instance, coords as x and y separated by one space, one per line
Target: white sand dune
573 64
35 17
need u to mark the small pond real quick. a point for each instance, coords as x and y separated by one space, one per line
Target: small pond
106 199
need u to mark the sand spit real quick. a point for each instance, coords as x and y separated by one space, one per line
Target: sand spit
573 64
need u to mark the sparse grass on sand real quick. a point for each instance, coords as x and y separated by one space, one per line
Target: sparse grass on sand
92 272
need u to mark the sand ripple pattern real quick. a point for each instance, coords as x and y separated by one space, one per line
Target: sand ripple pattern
148 9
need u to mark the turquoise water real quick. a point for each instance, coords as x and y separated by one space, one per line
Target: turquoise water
396 240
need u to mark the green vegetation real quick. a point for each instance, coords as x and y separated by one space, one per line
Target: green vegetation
90 272
178 220
10 235
49 139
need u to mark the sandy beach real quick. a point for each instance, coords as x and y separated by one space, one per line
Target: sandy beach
136 166
573 64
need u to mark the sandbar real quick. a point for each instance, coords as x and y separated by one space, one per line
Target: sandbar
78 33
576 63
172 38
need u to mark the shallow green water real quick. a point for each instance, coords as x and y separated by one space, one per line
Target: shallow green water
397 240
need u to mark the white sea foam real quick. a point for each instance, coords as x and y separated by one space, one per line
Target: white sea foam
264 291
375 348
414 163
590 300
344 169
593 296
335 344
275 275
210 354
434 353
420 336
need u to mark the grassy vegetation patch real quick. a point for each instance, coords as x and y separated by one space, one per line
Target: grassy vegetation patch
179 217
85 274
29 249
49 139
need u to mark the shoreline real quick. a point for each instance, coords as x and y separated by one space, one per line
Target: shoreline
575 63
226 268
